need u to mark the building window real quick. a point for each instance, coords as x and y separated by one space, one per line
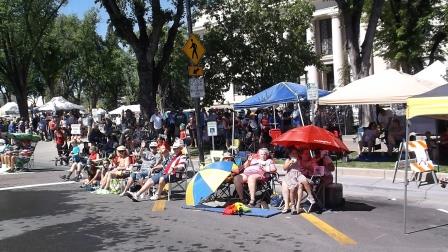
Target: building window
326 47
330 77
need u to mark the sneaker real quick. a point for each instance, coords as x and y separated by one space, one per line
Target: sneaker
132 196
154 197
293 211
63 177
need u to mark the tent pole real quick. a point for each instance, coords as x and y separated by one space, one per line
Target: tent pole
406 176
300 111
273 110
233 129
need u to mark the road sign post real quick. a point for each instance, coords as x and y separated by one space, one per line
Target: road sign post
194 50
212 130
312 94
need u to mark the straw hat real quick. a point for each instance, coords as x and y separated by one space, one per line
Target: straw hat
121 148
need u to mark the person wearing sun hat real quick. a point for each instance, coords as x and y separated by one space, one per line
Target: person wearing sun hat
171 172
149 160
120 167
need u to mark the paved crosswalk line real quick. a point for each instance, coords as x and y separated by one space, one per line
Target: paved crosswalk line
329 230
35 185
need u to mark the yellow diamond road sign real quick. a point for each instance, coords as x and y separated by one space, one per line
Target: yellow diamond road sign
195 71
194 49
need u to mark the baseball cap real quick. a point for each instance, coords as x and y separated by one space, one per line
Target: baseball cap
152 144
121 148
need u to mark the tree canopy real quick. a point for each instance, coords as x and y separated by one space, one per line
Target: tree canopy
255 44
412 32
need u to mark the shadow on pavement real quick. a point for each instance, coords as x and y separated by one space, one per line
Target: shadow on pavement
428 228
350 206
34 203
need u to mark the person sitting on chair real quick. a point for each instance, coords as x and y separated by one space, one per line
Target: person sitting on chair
119 167
307 164
254 170
290 182
395 135
169 173
149 160
77 161
369 137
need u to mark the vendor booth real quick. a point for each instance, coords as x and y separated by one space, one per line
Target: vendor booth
59 103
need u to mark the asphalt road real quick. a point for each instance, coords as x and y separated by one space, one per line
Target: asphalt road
64 217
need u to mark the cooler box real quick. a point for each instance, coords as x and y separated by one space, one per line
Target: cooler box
334 195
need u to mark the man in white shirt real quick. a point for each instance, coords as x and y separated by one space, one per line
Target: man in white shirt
156 121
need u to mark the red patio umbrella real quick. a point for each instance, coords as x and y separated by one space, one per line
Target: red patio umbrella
311 137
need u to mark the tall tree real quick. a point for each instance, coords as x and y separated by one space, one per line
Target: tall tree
360 55
410 32
150 19
59 48
255 44
352 13
22 25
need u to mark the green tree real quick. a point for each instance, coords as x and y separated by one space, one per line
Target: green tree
22 25
255 44
410 32
58 49
150 19
352 16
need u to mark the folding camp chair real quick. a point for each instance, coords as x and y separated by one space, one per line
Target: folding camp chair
216 155
420 164
184 176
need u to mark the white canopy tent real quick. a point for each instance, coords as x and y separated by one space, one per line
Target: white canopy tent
59 103
98 111
386 87
134 108
434 72
10 108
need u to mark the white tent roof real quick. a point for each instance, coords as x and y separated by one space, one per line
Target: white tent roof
434 72
98 111
386 87
59 103
134 108
9 108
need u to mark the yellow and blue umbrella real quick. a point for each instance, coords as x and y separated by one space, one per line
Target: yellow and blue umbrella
207 181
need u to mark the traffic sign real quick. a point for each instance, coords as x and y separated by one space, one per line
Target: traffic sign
311 91
197 88
195 71
212 128
194 49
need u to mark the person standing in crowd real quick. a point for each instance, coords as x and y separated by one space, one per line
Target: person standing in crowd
156 122
192 129
170 127
296 119
52 127
43 128
12 127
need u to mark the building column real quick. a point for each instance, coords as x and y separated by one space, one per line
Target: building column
338 50
312 74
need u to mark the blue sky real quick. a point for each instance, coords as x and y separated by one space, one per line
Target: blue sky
79 7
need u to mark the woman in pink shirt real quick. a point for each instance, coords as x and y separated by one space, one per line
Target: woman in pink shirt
254 170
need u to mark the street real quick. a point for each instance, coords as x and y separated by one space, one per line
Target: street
64 217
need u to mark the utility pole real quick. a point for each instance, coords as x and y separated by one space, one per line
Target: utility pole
197 107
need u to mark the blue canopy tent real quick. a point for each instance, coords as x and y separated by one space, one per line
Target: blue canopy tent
283 92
